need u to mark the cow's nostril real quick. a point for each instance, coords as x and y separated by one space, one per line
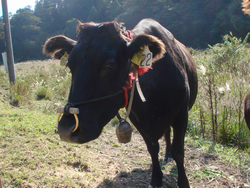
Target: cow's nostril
73 111
66 133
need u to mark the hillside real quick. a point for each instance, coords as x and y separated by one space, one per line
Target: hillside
195 23
32 154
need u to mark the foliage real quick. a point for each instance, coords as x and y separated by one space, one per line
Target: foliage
223 83
43 93
26 33
188 20
217 115
36 82
224 67
19 93
92 14
32 155
70 29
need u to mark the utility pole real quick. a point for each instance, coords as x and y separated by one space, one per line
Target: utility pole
8 40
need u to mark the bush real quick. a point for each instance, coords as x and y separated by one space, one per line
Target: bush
19 93
43 93
223 71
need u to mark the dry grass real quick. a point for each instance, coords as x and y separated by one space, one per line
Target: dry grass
32 155
35 157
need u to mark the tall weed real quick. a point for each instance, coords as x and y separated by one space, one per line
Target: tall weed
43 80
19 93
223 82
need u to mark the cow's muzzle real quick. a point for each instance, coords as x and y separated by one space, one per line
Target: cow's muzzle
66 135
67 126
74 111
65 132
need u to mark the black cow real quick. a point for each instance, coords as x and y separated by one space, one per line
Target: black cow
247 109
100 62
246 10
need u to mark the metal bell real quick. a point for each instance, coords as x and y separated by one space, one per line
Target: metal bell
123 132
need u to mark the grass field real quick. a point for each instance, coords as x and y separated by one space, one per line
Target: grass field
32 154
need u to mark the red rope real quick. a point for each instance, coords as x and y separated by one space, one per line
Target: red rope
128 34
128 86
131 76
142 70
126 96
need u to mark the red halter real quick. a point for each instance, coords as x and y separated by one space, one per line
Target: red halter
140 71
128 86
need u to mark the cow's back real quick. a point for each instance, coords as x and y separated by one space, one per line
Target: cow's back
192 74
177 58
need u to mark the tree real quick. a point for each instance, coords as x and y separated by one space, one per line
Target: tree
194 23
25 35
70 29
113 9
92 14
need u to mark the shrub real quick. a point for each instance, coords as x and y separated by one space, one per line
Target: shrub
43 93
19 93
223 83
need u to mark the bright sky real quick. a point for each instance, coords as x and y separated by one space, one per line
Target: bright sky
14 5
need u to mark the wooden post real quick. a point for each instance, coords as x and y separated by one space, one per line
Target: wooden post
9 49
1 184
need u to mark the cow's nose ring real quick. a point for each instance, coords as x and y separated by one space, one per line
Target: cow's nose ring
74 111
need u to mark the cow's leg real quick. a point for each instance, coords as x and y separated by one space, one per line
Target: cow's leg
247 109
177 149
167 137
153 149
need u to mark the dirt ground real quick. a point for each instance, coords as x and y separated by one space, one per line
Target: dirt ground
129 165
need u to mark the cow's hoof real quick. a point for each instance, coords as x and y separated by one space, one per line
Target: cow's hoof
168 159
150 186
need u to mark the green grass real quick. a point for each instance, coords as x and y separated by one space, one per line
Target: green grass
223 76
29 144
230 155
32 154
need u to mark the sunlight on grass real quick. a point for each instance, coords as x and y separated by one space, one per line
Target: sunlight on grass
33 155
228 154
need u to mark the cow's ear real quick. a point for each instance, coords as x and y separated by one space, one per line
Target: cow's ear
156 46
57 46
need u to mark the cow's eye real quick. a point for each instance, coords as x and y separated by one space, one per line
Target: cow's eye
109 66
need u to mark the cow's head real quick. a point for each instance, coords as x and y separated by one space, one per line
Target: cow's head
100 63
